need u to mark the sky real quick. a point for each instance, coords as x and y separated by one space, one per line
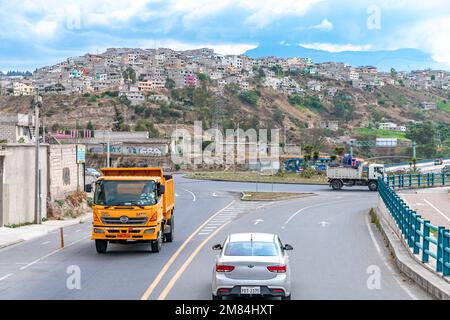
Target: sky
36 33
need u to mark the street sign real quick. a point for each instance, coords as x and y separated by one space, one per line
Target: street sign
81 153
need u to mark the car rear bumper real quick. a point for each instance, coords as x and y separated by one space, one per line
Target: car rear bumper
265 292
268 287
124 233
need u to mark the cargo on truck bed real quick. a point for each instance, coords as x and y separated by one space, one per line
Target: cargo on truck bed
354 173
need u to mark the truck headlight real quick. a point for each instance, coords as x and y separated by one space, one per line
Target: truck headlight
97 230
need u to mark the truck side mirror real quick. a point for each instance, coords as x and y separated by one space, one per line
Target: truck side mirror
217 247
288 247
161 189
88 188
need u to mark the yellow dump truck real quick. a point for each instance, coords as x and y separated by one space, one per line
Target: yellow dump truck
133 205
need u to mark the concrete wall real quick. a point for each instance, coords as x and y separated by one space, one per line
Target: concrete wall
18 186
65 175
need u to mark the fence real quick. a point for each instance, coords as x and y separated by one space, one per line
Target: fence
423 238
418 180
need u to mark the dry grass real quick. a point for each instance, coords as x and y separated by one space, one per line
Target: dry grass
273 196
246 176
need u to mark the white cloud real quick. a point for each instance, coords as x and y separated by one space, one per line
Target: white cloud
332 47
431 36
325 25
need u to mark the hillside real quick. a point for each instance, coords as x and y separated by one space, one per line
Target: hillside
357 111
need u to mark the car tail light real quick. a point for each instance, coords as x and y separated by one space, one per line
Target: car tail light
277 269
224 268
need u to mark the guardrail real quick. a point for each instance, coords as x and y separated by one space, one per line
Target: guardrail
418 180
423 238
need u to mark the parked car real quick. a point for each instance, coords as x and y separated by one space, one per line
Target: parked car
252 265
438 162
446 169
92 172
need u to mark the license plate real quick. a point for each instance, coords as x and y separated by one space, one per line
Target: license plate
123 235
250 290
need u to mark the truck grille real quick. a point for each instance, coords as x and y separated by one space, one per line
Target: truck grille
110 220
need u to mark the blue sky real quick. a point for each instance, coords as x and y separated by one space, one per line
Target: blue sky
34 33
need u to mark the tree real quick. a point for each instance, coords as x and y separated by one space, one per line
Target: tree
129 75
90 126
393 73
278 116
339 150
170 84
250 96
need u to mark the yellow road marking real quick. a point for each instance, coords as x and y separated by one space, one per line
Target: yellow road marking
177 275
169 263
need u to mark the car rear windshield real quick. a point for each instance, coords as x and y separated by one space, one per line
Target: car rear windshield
251 248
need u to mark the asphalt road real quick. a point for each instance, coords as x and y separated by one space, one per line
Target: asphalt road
334 246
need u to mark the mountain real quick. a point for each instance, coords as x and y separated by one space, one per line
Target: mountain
401 59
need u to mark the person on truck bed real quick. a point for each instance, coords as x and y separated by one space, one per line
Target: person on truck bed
147 195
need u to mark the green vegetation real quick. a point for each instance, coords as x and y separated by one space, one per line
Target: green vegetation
146 125
249 96
273 196
378 133
444 106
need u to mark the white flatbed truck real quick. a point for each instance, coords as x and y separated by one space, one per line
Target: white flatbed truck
363 175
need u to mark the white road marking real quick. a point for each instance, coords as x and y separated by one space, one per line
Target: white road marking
323 224
214 194
386 263
45 242
437 210
203 233
78 230
51 253
257 221
309 207
177 195
193 195
6 277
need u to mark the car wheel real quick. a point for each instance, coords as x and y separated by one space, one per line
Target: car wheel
214 297
286 297
169 236
336 185
373 186
157 244
101 246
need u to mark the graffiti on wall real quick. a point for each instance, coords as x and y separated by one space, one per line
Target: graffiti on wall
126 150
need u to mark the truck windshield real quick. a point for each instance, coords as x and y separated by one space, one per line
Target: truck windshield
125 193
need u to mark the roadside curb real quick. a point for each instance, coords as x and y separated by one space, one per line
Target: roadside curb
294 197
433 284
51 228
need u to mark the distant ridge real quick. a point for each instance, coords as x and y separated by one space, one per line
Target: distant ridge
401 59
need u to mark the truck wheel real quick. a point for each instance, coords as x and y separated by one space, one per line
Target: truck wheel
157 244
101 246
373 186
169 236
336 185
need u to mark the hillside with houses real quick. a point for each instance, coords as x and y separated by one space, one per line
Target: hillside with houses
157 89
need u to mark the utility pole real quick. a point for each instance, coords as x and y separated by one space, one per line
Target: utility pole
414 149
37 197
108 155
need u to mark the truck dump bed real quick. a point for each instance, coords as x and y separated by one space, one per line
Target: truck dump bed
344 172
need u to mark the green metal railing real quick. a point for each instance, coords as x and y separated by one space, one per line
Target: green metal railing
418 180
422 237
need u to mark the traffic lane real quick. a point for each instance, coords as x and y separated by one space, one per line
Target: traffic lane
432 204
324 265
102 276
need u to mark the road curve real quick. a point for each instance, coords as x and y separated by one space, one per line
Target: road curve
334 243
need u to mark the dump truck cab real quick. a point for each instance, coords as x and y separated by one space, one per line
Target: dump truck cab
133 205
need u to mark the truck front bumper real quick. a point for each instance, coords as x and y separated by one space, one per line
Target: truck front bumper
124 233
